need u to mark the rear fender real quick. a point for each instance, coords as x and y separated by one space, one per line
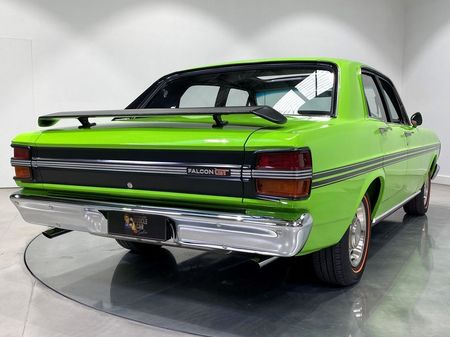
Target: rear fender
332 217
370 178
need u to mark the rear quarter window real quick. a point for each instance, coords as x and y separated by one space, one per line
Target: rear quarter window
373 98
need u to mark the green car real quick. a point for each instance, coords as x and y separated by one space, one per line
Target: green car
279 158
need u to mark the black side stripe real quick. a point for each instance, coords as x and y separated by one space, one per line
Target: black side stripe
378 164
326 173
362 171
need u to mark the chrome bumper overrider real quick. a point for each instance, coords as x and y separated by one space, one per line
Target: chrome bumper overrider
193 228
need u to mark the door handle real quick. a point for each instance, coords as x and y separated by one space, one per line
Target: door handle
408 133
385 129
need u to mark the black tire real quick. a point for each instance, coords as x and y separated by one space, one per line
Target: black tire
138 247
334 265
419 204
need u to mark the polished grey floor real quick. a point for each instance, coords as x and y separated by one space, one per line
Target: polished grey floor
30 309
405 290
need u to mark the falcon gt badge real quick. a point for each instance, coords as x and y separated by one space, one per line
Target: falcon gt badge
208 171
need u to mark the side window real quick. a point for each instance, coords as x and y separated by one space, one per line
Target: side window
237 97
373 98
199 96
392 102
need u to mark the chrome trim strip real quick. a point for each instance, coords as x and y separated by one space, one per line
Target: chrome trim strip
106 167
138 162
193 228
281 174
130 166
20 162
236 171
165 168
393 209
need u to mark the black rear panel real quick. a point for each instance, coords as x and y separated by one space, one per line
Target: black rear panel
144 181
196 172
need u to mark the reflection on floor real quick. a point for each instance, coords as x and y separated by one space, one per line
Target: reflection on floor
405 290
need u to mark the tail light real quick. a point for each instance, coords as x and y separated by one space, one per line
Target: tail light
22 163
284 174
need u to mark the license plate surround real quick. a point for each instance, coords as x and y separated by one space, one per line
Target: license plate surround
139 225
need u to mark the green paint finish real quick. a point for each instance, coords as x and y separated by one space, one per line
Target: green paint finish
150 135
350 137
28 138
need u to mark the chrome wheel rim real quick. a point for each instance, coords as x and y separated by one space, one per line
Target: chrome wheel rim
357 236
426 191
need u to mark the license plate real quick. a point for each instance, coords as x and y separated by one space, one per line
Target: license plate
149 226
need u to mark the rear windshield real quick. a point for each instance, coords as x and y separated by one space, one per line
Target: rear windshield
292 88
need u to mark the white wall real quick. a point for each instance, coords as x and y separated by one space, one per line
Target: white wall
98 54
16 98
426 73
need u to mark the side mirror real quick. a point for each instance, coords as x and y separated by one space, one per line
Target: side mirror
416 119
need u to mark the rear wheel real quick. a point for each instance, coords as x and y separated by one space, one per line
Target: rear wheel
343 264
138 247
419 204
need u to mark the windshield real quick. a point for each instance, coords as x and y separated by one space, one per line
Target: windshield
289 88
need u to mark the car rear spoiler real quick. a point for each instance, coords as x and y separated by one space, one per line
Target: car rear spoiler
265 112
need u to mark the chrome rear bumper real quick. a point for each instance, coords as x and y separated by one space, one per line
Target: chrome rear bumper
193 228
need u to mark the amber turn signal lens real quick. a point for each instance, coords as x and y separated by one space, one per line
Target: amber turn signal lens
285 188
22 172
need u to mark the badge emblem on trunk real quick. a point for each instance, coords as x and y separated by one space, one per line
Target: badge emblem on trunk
208 171
129 185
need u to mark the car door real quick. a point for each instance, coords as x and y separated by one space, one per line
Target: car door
417 165
392 142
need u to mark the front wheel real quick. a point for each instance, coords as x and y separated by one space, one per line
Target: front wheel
343 264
